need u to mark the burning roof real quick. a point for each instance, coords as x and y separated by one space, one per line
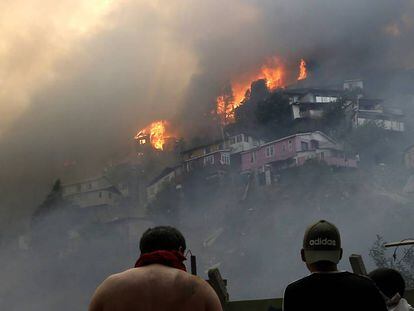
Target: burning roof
155 133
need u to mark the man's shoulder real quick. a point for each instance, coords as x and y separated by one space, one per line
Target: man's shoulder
315 277
299 283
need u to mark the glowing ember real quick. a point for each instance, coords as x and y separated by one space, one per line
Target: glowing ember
272 72
156 133
302 70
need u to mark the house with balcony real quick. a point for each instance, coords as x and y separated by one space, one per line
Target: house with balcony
310 103
373 111
292 151
93 192
213 164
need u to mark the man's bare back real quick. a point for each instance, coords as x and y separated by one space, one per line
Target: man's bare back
154 288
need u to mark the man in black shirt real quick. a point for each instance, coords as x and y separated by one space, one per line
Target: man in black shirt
327 288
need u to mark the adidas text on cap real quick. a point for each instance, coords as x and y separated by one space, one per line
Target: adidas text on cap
322 242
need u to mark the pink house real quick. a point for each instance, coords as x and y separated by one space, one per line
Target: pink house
295 150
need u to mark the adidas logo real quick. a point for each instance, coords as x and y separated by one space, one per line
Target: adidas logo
320 241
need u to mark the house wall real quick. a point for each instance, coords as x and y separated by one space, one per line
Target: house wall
88 185
241 143
202 151
409 158
301 148
94 198
209 160
391 125
282 150
155 188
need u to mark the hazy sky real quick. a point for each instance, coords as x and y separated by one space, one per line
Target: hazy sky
78 78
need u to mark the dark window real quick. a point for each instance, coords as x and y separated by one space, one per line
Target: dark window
314 144
305 146
246 138
109 195
100 194
239 138
253 157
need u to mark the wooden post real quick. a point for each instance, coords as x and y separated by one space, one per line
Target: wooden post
193 265
357 264
218 284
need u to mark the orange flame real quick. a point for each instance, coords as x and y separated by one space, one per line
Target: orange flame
272 72
303 73
156 133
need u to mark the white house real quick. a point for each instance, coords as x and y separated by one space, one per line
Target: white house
310 103
92 192
372 111
241 142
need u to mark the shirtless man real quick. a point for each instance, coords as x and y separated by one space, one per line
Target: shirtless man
159 281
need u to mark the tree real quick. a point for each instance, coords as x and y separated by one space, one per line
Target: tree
52 201
404 264
275 115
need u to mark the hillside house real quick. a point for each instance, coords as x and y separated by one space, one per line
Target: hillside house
168 176
292 151
409 157
309 103
354 85
214 163
372 111
94 192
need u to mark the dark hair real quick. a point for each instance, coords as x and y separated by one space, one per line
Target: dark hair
389 281
161 238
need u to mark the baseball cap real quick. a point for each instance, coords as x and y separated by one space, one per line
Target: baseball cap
322 242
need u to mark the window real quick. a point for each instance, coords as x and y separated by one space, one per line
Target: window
246 138
100 194
314 144
239 138
325 99
89 186
232 141
304 146
290 145
207 150
225 158
209 160
109 195
253 157
270 151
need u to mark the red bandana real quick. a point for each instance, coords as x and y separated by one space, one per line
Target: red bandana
172 259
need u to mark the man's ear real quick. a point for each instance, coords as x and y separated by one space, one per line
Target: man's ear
181 250
302 255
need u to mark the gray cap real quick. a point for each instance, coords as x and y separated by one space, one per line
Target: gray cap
322 242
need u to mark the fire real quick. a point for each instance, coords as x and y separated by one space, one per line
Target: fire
272 72
302 70
155 133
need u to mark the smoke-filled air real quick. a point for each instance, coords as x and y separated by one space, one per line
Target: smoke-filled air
239 122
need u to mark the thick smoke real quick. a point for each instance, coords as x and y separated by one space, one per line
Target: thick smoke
169 61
